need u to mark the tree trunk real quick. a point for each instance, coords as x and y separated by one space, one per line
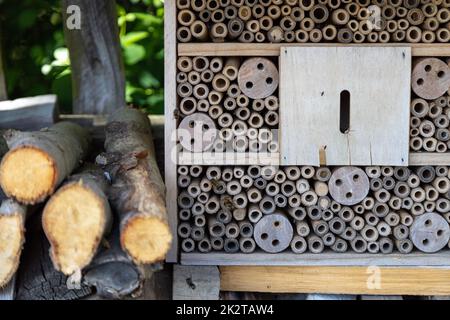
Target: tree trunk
112 273
12 238
76 218
137 193
37 278
37 162
96 59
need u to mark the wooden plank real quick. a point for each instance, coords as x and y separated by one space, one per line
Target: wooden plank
429 158
416 259
30 114
337 280
196 283
208 158
314 80
170 100
186 158
273 49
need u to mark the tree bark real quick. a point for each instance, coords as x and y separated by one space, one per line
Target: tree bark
112 273
96 60
37 162
76 218
12 238
37 278
137 193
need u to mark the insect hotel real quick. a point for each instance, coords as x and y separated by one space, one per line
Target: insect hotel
307 143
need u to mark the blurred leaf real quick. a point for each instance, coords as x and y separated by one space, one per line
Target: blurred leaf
133 37
133 54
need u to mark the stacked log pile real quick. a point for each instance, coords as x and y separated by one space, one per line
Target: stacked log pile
307 209
343 21
227 104
430 107
41 169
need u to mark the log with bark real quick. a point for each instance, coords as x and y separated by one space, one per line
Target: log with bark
76 218
112 273
37 279
37 162
12 238
137 192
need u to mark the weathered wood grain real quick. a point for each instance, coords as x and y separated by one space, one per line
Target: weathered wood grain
312 81
337 280
170 101
29 114
96 59
273 49
327 258
196 283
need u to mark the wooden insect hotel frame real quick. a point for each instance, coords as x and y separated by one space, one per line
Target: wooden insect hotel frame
395 136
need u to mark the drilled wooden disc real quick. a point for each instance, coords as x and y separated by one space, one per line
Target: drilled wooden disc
348 185
430 232
273 233
258 78
431 78
197 132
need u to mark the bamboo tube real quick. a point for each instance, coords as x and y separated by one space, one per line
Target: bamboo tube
301 36
231 245
244 114
275 34
359 245
306 5
371 219
244 13
443 35
297 14
186 17
286 10
307 24
233 90
231 68
319 13
194 78
199 30
315 244
413 34
345 35
372 37
274 12
349 234
443 15
235 28
219 32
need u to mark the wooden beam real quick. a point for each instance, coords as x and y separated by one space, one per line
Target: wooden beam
170 98
328 259
429 159
337 280
98 77
29 114
273 49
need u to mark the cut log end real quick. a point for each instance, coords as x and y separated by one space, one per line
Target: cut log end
146 239
12 237
74 222
28 175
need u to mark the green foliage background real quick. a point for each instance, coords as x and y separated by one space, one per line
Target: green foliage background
37 61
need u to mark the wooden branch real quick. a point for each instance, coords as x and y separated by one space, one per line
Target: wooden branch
29 114
96 60
12 238
76 218
37 278
137 193
39 161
